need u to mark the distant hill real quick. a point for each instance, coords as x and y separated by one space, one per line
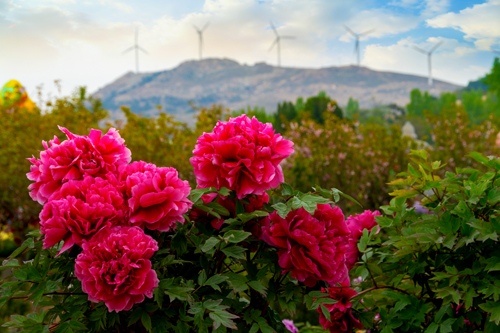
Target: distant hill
224 81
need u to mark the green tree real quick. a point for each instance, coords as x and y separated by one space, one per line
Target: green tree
493 79
352 107
317 105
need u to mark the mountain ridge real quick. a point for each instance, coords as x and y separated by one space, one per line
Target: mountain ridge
225 81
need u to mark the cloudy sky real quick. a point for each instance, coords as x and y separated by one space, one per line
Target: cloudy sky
82 42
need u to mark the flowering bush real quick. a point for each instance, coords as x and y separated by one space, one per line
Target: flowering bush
130 247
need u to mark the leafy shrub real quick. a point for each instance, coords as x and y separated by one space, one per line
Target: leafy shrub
436 271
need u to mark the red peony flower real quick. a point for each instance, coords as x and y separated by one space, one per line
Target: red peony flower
341 318
357 223
114 267
157 198
73 158
79 210
241 154
311 247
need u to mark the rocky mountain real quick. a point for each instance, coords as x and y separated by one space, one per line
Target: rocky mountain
226 82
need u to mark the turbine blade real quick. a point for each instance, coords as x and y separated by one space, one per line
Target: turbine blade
419 49
347 28
205 26
129 49
436 46
146 52
367 32
272 45
274 29
196 28
495 51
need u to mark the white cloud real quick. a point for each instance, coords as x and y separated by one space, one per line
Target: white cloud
71 43
381 21
402 57
480 23
433 7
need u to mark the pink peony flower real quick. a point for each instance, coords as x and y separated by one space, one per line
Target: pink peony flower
290 326
126 170
357 223
158 198
241 154
114 267
73 158
311 247
79 210
341 316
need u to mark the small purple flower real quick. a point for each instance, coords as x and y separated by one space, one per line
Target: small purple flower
419 209
290 326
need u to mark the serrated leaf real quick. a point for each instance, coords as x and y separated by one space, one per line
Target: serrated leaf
494 309
223 317
209 244
146 321
258 286
234 252
236 236
213 281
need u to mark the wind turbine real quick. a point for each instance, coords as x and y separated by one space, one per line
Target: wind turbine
200 36
277 42
429 56
136 47
357 37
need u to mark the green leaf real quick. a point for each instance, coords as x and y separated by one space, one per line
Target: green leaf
234 252
287 190
213 281
237 281
494 309
326 313
337 192
432 328
309 202
146 321
493 264
28 243
236 236
445 327
224 191
282 209
196 194
218 208
209 244
135 316
76 325
223 317
202 278
258 286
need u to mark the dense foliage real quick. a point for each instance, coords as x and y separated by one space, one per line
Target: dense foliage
435 267
431 265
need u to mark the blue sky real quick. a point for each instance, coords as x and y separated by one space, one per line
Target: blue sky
81 42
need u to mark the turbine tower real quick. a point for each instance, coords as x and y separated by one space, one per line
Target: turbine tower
277 42
136 47
200 36
429 56
357 37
